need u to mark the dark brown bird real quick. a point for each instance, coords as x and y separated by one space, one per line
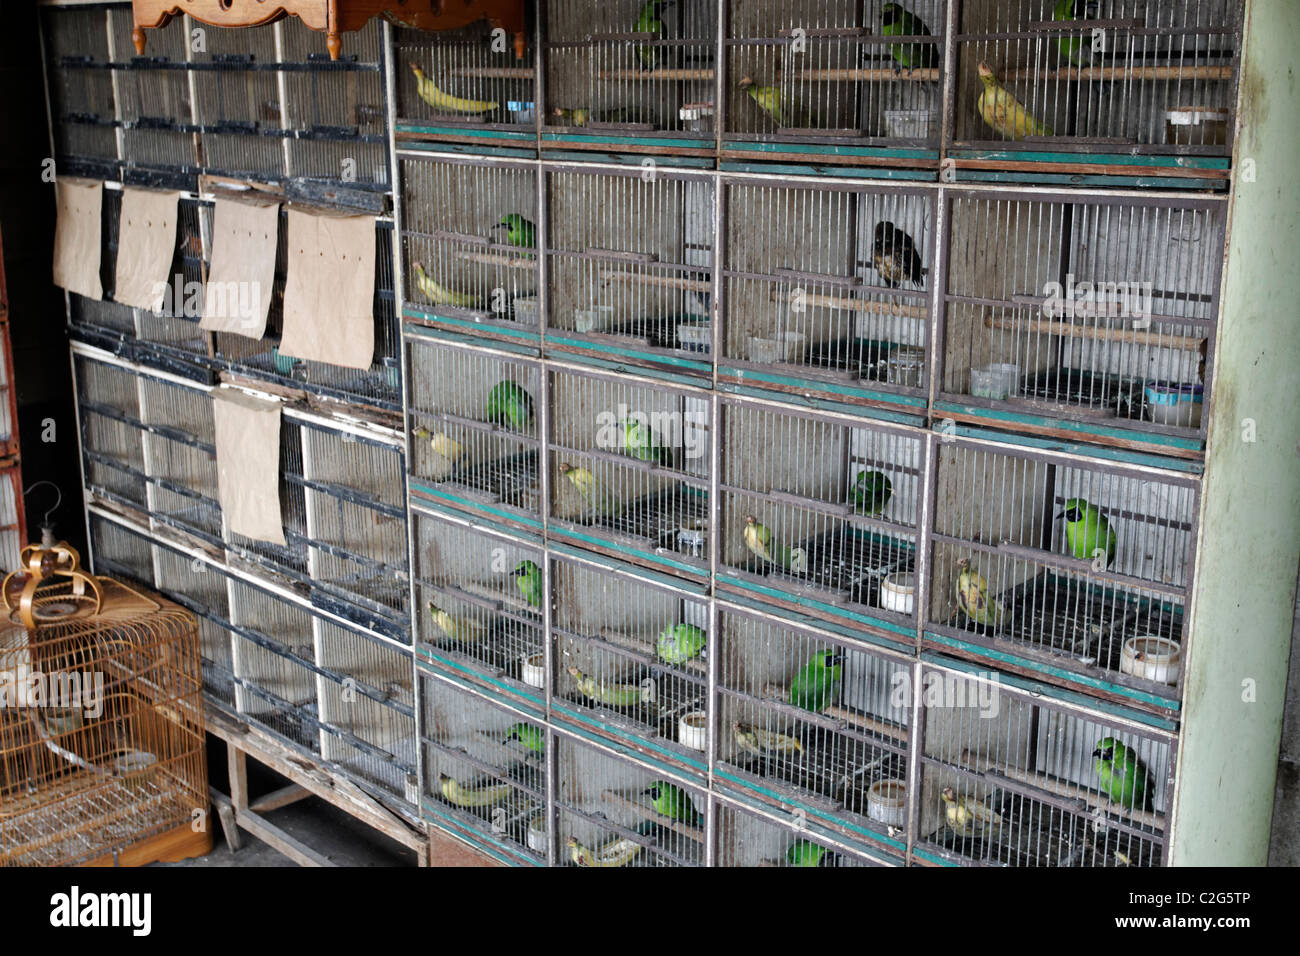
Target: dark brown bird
894 255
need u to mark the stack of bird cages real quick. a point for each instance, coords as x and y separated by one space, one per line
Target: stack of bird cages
1063 568
473 419
179 447
1010 778
202 588
478 601
1079 318
469 244
465 87
820 514
119 550
631 657
612 811
171 338
83 110
837 82
815 723
635 75
826 292
629 466
1100 81
630 268
744 838
154 102
112 446
485 770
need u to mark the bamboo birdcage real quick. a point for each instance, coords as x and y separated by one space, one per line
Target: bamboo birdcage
101 726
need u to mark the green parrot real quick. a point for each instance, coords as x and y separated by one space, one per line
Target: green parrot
530 737
1121 773
818 683
639 441
529 578
651 21
807 853
673 802
895 21
871 492
519 231
509 404
1073 48
758 539
1087 531
768 99
679 643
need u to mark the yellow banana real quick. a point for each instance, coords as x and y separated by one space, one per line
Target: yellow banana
606 692
462 796
617 852
1004 112
441 295
445 101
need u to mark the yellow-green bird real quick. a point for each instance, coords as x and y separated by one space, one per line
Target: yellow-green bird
768 99
462 631
758 539
1004 112
972 593
598 498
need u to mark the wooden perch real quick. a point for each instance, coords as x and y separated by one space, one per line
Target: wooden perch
864 722
854 304
853 74
1119 73
1189 343
495 72
667 282
659 75
496 259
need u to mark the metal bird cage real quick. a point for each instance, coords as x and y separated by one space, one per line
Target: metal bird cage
479 604
1011 779
1052 564
631 654
747 839
201 588
469 227
473 421
119 551
827 291
834 81
13 517
485 769
834 505
171 338
82 106
1092 318
630 268
108 403
101 740
1124 76
607 818
638 71
814 722
629 469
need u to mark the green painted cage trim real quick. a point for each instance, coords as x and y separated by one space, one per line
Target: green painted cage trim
502 853
846 172
808 602
1089 181
416 312
1155 160
704 368
1104 452
433 662
865 412
468 131
1026 418
608 734
613 564
662 375
815 385
468 504
648 555
628 159
430 509
612 139
411 331
832 149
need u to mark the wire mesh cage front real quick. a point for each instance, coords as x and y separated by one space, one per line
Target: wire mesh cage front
835 71
630 263
1103 311
813 720
823 509
478 599
120 552
201 588
175 327
613 812
746 839
632 652
101 741
82 107
485 767
473 424
630 68
829 286
180 457
1076 566
1124 75
112 446
629 468
1014 780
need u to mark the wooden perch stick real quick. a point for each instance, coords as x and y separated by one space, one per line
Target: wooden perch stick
663 75
1188 343
851 74
1111 73
667 282
496 259
854 304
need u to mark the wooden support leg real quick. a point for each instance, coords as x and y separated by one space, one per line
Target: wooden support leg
238 767
226 814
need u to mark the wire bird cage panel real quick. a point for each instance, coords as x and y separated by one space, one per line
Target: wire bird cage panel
1097 75
631 658
813 721
82 106
112 448
613 812
1065 565
473 424
633 69
827 291
120 552
469 242
174 330
629 470
478 605
202 588
746 839
822 510
1011 779
630 267
1095 316
103 747
834 73
485 768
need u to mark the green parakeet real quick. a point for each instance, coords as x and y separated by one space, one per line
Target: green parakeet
508 404
1004 112
895 21
768 99
758 539
1073 48
519 231
639 440
818 683
807 853
1087 531
972 593
679 643
530 737
598 498
651 21
871 492
529 578
673 802
1121 773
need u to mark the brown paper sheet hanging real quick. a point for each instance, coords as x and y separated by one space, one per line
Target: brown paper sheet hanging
238 294
77 237
248 464
146 247
329 291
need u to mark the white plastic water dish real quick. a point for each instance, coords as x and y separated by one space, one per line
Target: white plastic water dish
1152 658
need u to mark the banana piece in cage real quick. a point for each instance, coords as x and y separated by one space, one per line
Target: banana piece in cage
445 102
617 852
440 294
487 795
611 693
